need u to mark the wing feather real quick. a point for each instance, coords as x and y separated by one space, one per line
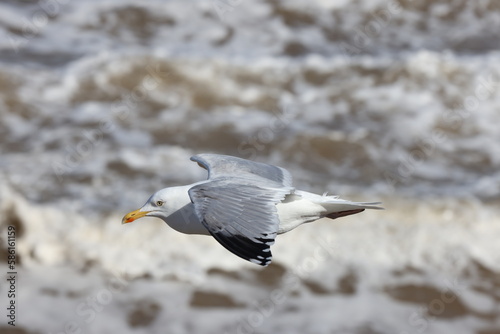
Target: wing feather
240 216
225 165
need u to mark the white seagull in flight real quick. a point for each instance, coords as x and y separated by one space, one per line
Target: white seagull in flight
243 204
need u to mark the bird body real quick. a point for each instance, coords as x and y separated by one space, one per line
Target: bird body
243 204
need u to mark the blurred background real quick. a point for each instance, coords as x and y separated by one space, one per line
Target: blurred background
103 102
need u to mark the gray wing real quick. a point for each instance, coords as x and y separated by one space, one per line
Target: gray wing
228 166
242 217
238 204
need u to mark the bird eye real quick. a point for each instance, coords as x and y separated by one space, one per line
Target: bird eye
159 203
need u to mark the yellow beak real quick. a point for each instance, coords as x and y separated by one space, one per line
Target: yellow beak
131 216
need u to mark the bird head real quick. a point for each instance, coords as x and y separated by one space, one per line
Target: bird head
156 206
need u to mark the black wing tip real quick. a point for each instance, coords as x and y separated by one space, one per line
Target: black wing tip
255 252
335 215
262 260
263 263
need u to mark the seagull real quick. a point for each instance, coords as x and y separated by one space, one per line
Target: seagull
243 204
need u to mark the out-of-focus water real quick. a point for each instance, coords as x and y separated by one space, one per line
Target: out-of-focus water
103 103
